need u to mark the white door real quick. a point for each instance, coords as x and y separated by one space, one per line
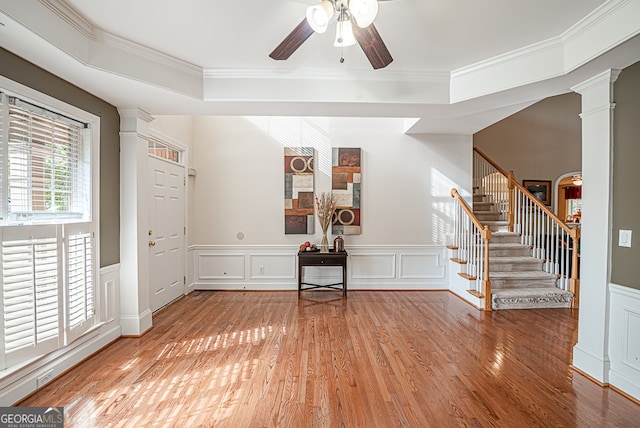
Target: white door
166 232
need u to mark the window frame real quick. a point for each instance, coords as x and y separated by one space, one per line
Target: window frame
91 225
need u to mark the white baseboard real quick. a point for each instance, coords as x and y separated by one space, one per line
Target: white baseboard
24 382
593 365
136 325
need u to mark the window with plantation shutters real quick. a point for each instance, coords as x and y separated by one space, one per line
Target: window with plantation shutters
31 273
48 257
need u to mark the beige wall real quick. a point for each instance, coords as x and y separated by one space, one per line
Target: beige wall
625 266
541 142
25 73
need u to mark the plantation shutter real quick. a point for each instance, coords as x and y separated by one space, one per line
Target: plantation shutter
46 156
4 153
31 269
80 280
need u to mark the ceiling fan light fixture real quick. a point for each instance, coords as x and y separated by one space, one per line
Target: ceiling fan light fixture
318 16
344 34
364 11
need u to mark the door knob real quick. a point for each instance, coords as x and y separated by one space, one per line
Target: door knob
152 244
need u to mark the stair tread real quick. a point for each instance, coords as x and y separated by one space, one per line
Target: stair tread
530 298
516 259
532 274
504 233
507 245
541 291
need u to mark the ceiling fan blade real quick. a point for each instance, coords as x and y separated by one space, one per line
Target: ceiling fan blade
371 43
293 41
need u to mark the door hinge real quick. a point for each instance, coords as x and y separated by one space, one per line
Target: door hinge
184 280
185 230
184 181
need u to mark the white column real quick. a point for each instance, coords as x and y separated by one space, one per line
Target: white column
591 353
135 312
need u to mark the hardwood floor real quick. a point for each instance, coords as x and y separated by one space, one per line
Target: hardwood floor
377 359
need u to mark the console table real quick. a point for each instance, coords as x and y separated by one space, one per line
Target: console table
316 259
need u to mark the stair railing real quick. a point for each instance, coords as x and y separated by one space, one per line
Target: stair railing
492 181
549 238
471 243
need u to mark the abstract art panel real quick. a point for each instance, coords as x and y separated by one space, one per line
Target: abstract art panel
346 176
298 191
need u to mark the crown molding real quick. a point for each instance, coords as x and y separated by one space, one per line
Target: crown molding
70 16
320 74
517 55
97 35
141 51
597 16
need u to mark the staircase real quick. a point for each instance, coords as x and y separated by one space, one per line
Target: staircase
518 280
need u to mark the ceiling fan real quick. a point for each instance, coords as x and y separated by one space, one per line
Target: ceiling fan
354 22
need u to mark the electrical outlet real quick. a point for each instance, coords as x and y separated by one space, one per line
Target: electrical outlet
44 379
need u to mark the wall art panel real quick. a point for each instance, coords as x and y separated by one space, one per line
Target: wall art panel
345 188
298 191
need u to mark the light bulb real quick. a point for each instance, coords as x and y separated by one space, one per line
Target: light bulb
364 11
318 16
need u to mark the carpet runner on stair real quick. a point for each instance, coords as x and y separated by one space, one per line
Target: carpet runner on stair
517 279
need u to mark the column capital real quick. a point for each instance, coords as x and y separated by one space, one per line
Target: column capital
607 77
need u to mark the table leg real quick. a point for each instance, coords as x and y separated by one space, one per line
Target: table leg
344 280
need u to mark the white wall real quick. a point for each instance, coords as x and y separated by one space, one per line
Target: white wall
179 128
237 219
240 185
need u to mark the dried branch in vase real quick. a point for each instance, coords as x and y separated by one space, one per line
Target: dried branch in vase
326 207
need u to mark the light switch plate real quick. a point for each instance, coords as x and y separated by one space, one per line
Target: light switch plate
624 238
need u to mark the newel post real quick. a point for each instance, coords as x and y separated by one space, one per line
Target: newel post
511 213
486 282
574 281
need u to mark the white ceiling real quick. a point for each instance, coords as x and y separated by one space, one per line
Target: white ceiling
211 56
422 35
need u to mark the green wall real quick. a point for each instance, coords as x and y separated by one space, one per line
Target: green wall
625 262
21 71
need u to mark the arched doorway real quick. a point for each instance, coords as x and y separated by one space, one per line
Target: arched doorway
567 204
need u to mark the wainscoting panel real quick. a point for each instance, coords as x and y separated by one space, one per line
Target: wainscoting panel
274 267
219 265
372 266
110 293
421 266
624 331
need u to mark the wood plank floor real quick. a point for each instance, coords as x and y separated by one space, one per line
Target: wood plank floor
377 359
